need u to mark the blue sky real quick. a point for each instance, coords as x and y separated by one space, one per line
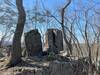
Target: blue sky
54 3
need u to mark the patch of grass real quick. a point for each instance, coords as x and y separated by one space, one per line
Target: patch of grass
51 56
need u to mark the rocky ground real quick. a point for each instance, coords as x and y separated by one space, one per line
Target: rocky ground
42 67
47 65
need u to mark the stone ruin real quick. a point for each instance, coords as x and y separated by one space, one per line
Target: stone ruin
33 43
53 42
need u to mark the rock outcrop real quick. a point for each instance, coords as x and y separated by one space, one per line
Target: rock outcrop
54 40
33 42
68 68
56 67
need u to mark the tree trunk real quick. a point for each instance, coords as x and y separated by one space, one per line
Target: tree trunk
16 53
63 30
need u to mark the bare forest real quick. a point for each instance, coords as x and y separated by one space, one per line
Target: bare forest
49 37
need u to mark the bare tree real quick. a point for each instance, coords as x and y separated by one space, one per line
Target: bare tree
6 22
15 56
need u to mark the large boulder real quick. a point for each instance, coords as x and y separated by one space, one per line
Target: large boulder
33 43
60 68
53 40
74 67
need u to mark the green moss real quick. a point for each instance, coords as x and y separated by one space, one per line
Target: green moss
51 56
